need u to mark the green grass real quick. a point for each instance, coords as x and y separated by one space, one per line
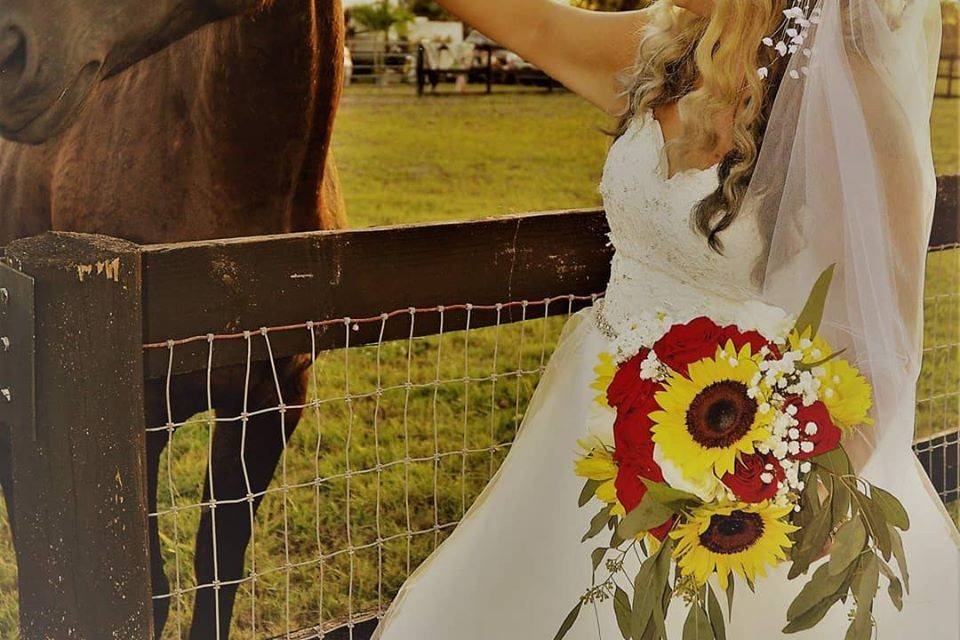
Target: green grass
408 160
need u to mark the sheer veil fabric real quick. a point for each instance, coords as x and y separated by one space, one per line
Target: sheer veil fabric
844 177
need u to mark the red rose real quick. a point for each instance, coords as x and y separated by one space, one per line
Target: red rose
827 436
754 338
635 465
746 481
627 390
687 343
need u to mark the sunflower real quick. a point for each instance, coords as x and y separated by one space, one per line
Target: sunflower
596 463
604 371
710 416
843 388
737 537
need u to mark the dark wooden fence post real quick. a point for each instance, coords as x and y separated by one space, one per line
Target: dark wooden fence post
79 479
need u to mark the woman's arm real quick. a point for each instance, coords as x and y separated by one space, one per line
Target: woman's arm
585 50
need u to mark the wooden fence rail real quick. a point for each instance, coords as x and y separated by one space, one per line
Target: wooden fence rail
79 309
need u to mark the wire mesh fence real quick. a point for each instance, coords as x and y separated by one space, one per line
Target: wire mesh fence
395 442
938 392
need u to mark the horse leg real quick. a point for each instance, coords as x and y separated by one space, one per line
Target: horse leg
225 528
187 397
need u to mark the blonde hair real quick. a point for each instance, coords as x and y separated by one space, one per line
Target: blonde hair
708 66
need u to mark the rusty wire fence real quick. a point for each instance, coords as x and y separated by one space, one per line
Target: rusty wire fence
395 441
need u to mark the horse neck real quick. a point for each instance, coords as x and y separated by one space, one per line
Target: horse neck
224 133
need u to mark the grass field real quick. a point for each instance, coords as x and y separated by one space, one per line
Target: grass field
409 160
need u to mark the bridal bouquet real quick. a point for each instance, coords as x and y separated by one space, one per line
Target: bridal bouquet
727 459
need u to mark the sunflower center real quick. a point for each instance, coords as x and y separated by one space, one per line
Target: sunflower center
733 533
721 414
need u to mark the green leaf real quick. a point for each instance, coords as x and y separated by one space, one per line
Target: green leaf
811 617
597 556
894 586
621 609
849 543
568 621
615 540
697 626
821 587
807 366
667 495
891 508
716 615
835 461
864 590
877 523
730 590
643 596
867 580
647 515
812 312
840 502
661 583
589 489
812 542
597 523
896 544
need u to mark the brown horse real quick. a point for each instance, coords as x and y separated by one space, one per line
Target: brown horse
178 120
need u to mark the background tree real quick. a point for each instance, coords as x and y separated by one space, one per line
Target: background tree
379 18
429 9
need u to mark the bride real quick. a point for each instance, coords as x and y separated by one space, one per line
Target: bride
759 142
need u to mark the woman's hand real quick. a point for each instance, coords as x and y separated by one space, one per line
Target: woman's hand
700 7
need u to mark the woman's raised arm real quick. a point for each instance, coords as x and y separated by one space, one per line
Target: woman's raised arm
585 50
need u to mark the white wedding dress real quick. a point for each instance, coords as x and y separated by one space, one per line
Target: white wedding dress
515 565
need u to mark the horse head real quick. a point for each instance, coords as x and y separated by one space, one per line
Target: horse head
53 53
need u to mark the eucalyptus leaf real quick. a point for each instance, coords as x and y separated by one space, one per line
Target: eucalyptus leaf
597 556
661 582
896 544
589 490
891 508
895 591
864 590
667 495
647 515
622 611
568 622
807 366
834 461
730 589
616 541
644 597
867 581
840 502
877 523
847 546
811 617
716 615
822 586
697 626
812 312
894 586
597 523
814 538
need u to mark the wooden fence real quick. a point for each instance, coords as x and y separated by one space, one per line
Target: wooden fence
78 310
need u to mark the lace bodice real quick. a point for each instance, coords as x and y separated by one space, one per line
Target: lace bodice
663 271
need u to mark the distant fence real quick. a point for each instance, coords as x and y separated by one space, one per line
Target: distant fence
153 393
432 65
